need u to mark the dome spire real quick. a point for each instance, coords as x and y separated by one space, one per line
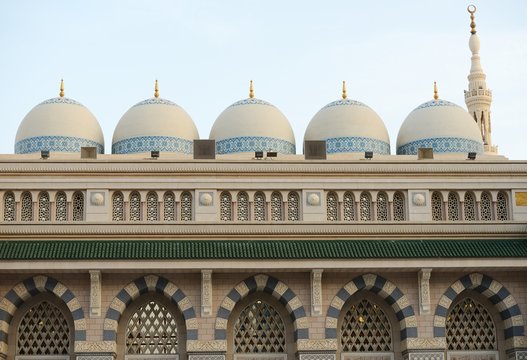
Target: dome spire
436 96
251 90
61 94
156 90
472 9
344 94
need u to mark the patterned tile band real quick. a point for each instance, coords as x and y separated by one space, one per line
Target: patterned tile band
386 290
61 100
150 143
497 294
155 101
28 288
434 103
55 143
345 102
254 143
442 145
251 101
269 285
350 144
149 283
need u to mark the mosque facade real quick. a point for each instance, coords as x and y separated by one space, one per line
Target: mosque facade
235 247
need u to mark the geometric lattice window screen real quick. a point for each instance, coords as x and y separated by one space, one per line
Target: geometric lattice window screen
437 207
61 207
78 206
151 330
118 207
453 207
27 207
293 206
242 206
399 212
502 212
135 206
43 330
382 207
469 326
186 206
9 207
225 206
349 207
259 207
332 204
44 213
259 329
486 207
152 211
469 207
365 328
169 206
276 207
365 207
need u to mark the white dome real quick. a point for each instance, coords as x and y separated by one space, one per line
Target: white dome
252 125
154 124
58 125
442 126
349 126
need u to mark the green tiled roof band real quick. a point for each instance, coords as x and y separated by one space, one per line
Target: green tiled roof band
258 249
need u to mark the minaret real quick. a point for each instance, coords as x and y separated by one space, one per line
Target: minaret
478 97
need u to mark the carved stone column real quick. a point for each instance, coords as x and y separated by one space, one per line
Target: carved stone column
424 291
95 293
206 293
316 292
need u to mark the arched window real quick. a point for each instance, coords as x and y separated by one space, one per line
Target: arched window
365 328
169 206
332 203
382 207
437 206
152 207
9 207
293 206
186 206
225 206
453 207
469 206
27 207
135 206
349 207
486 207
61 207
118 206
469 326
78 206
242 205
277 208
44 213
399 210
259 207
502 209
365 206
259 329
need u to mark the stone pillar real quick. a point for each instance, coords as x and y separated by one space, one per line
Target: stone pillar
316 292
95 293
206 293
424 291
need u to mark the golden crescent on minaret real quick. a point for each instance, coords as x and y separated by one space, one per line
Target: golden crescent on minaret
436 96
472 9
251 90
61 94
344 94
156 90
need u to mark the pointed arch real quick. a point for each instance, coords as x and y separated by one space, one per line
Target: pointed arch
138 287
387 291
494 291
269 285
28 288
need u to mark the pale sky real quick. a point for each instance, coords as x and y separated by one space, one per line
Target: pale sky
297 52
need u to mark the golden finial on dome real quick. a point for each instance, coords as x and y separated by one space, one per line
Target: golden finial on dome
344 94
61 94
435 91
472 9
156 90
251 90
